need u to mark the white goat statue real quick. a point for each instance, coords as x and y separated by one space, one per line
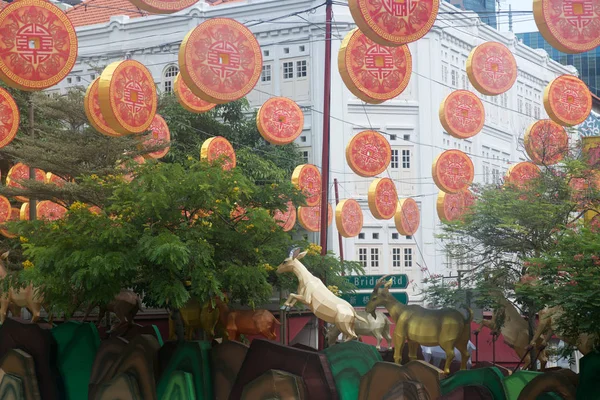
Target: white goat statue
378 327
322 302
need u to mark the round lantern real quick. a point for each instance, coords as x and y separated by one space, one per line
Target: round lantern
393 23
15 215
91 106
49 211
569 26
163 6
38 47
546 142
383 198
348 218
138 159
462 114
54 179
286 220
127 96
453 206
310 217
159 134
307 179
373 72
220 60
9 118
453 171
5 209
20 172
408 217
567 100
492 68
24 212
280 120
189 100
368 153
218 149
520 174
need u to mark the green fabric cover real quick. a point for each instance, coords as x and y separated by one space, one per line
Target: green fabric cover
193 358
180 386
489 377
589 377
77 347
514 383
349 361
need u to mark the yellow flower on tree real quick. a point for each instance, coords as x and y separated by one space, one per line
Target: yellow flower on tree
334 289
23 239
27 264
314 249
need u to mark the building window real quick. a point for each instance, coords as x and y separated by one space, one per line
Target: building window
288 70
408 257
374 257
93 76
405 159
407 138
395 236
169 77
396 257
301 69
303 139
78 79
393 137
536 112
408 237
305 156
444 73
362 257
266 53
395 159
302 48
286 50
265 76
69 80
376 236
361 235
454 75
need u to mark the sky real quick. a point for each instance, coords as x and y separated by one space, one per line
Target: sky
522 22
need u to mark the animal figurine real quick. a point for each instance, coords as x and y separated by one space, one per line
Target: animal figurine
247 322
514 329
125 305
447 327
322 302
548 327
378 327
17 299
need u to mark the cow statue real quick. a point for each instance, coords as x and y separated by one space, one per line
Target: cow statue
378 327
246 322
315 295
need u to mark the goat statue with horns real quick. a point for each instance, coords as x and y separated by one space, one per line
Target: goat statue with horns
447 327
315 295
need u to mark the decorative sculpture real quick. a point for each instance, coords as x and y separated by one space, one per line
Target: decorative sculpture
125 305
447 327
377 326
16 299
247 322
513 327
548 327
322 302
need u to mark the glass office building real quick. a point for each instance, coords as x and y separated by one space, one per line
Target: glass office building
588 64
485 8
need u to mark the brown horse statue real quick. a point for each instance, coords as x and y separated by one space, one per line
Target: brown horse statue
125 305
246 322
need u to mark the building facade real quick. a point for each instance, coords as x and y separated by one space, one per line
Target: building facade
486 9
291 35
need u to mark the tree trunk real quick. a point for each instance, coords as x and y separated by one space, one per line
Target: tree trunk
178 321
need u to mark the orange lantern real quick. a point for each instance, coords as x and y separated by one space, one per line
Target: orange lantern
453 171
49 211
163 6
159 134
91 106
492 68
520 174
38 47
54 179
408 217
383 198
368 153
5 209
280 120
567 100
9 118
218 148
393 23
307 179
220 60
372 72
15 215
310 217
348 218
127 96
20 172
453 206
24 212
462 114
286 220
138 159
569 26
189 100
546 142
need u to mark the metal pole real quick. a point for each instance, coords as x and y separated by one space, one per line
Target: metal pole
476 347
32 202
494 338
283 327
337 201
325 156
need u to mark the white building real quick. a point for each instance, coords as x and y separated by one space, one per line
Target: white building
293 51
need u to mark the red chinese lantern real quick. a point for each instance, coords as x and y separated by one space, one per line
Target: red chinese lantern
368 153
492 68
453 206
159 135
20 172
218 149
567 100
163 6
383 198
15 215
307 179
91 106
546 142
286 220
189 100
348 218
462 114
453 171
9 118
49 211
521 174
280 120
310 217
408 217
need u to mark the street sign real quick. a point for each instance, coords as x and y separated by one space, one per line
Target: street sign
362 299
365 282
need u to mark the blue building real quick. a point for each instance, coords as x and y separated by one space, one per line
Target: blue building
485 8
588 64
